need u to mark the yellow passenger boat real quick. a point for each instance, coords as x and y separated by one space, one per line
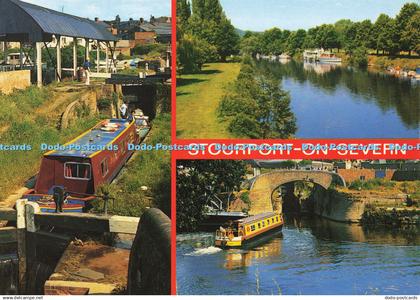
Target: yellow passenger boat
248 229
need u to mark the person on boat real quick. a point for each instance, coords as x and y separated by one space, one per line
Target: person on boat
86 68
131 117
123 110
58 195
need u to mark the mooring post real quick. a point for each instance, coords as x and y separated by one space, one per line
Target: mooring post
21 242
31 208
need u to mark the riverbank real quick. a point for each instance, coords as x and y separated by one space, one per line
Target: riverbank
146 179
384 203
198 96
31 117
386 63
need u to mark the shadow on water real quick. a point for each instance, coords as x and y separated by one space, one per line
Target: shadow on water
362 87
9 274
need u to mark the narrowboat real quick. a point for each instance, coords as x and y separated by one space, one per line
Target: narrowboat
246 230
83 164
142 123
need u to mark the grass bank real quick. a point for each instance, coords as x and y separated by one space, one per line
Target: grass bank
23 121
151 169
381 62
198 96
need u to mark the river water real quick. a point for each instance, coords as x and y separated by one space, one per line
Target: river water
331 101
310 256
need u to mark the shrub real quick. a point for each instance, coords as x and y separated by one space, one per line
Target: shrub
359 57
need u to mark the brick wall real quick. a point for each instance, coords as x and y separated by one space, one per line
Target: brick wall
351 175
143 38
14 80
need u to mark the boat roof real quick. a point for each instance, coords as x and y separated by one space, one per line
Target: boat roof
93 140
254 218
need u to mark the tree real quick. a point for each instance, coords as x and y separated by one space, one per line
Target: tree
193 179
227 39
387 34
198 8
250 45
341 27
213 11
192 53
411 34
295 41
402 21
359 57
274 113
183 11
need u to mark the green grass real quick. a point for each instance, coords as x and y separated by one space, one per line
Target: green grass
198 96
19 124
147 168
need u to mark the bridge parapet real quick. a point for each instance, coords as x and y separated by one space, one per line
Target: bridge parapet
263 185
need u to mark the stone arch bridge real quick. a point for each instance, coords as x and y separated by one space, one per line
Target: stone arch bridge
263 185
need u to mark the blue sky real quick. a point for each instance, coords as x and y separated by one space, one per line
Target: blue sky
259 15
108 9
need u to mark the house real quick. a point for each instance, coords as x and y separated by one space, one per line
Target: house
142 32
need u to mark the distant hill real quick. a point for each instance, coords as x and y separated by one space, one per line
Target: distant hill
240 32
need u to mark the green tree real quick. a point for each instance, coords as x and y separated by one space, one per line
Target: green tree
192 53
183 11
197 178
387 34
359 57
411 33
198 8
402 20
341 27
295 41
227 39
274 112
250 45
213 11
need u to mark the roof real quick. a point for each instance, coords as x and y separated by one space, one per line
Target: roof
43 23
159 28
256 217
91 141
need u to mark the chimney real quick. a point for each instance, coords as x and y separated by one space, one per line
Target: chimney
96 19
141 20
152 19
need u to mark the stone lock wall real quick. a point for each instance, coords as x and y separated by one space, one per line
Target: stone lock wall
150 259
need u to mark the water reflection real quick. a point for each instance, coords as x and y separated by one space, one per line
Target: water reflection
361 103
312 256
270 247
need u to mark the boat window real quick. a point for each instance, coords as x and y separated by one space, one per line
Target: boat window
268 222
259 225
252 227
272 220
73 170
104 167
263 224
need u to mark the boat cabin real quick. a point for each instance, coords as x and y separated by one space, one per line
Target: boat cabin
92 159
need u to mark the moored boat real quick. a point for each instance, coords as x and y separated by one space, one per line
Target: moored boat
83 164
142 123
246 230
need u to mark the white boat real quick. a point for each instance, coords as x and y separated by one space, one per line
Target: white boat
319 55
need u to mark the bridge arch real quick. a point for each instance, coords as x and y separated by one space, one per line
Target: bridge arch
263 185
